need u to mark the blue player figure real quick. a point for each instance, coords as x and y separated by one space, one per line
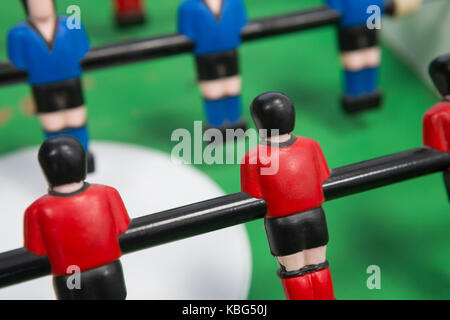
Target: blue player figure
49 48
358 43
215 27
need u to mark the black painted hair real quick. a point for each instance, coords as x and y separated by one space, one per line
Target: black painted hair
273 110
439 71
63 160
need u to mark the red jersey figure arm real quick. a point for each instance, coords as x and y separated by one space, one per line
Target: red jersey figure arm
119 211
436 127
32 234
250 175
323 166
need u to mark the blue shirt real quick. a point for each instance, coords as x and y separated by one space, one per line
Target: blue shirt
212 34
354 12
48 62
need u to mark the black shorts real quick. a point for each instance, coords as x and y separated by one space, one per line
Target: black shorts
58 96
356 38
103 283
217 66
297 232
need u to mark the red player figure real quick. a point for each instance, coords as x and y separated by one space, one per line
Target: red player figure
77 225
436 122
129 12
295 221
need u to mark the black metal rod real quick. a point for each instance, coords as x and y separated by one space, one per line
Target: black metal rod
168 45
191 220
198 218
383 171
135 51
10 75
287 23
21 265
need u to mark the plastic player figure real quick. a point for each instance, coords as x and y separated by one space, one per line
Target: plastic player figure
436 122
129 12
49 49
77 225
295 221
215 27
360 53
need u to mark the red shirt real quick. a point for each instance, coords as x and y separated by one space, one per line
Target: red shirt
297 184
80 229
436 127
125 7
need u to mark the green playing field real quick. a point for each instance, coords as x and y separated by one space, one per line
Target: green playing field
402 228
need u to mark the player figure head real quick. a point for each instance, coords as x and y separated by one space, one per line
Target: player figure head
63 160
39 9
440 74
273 110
